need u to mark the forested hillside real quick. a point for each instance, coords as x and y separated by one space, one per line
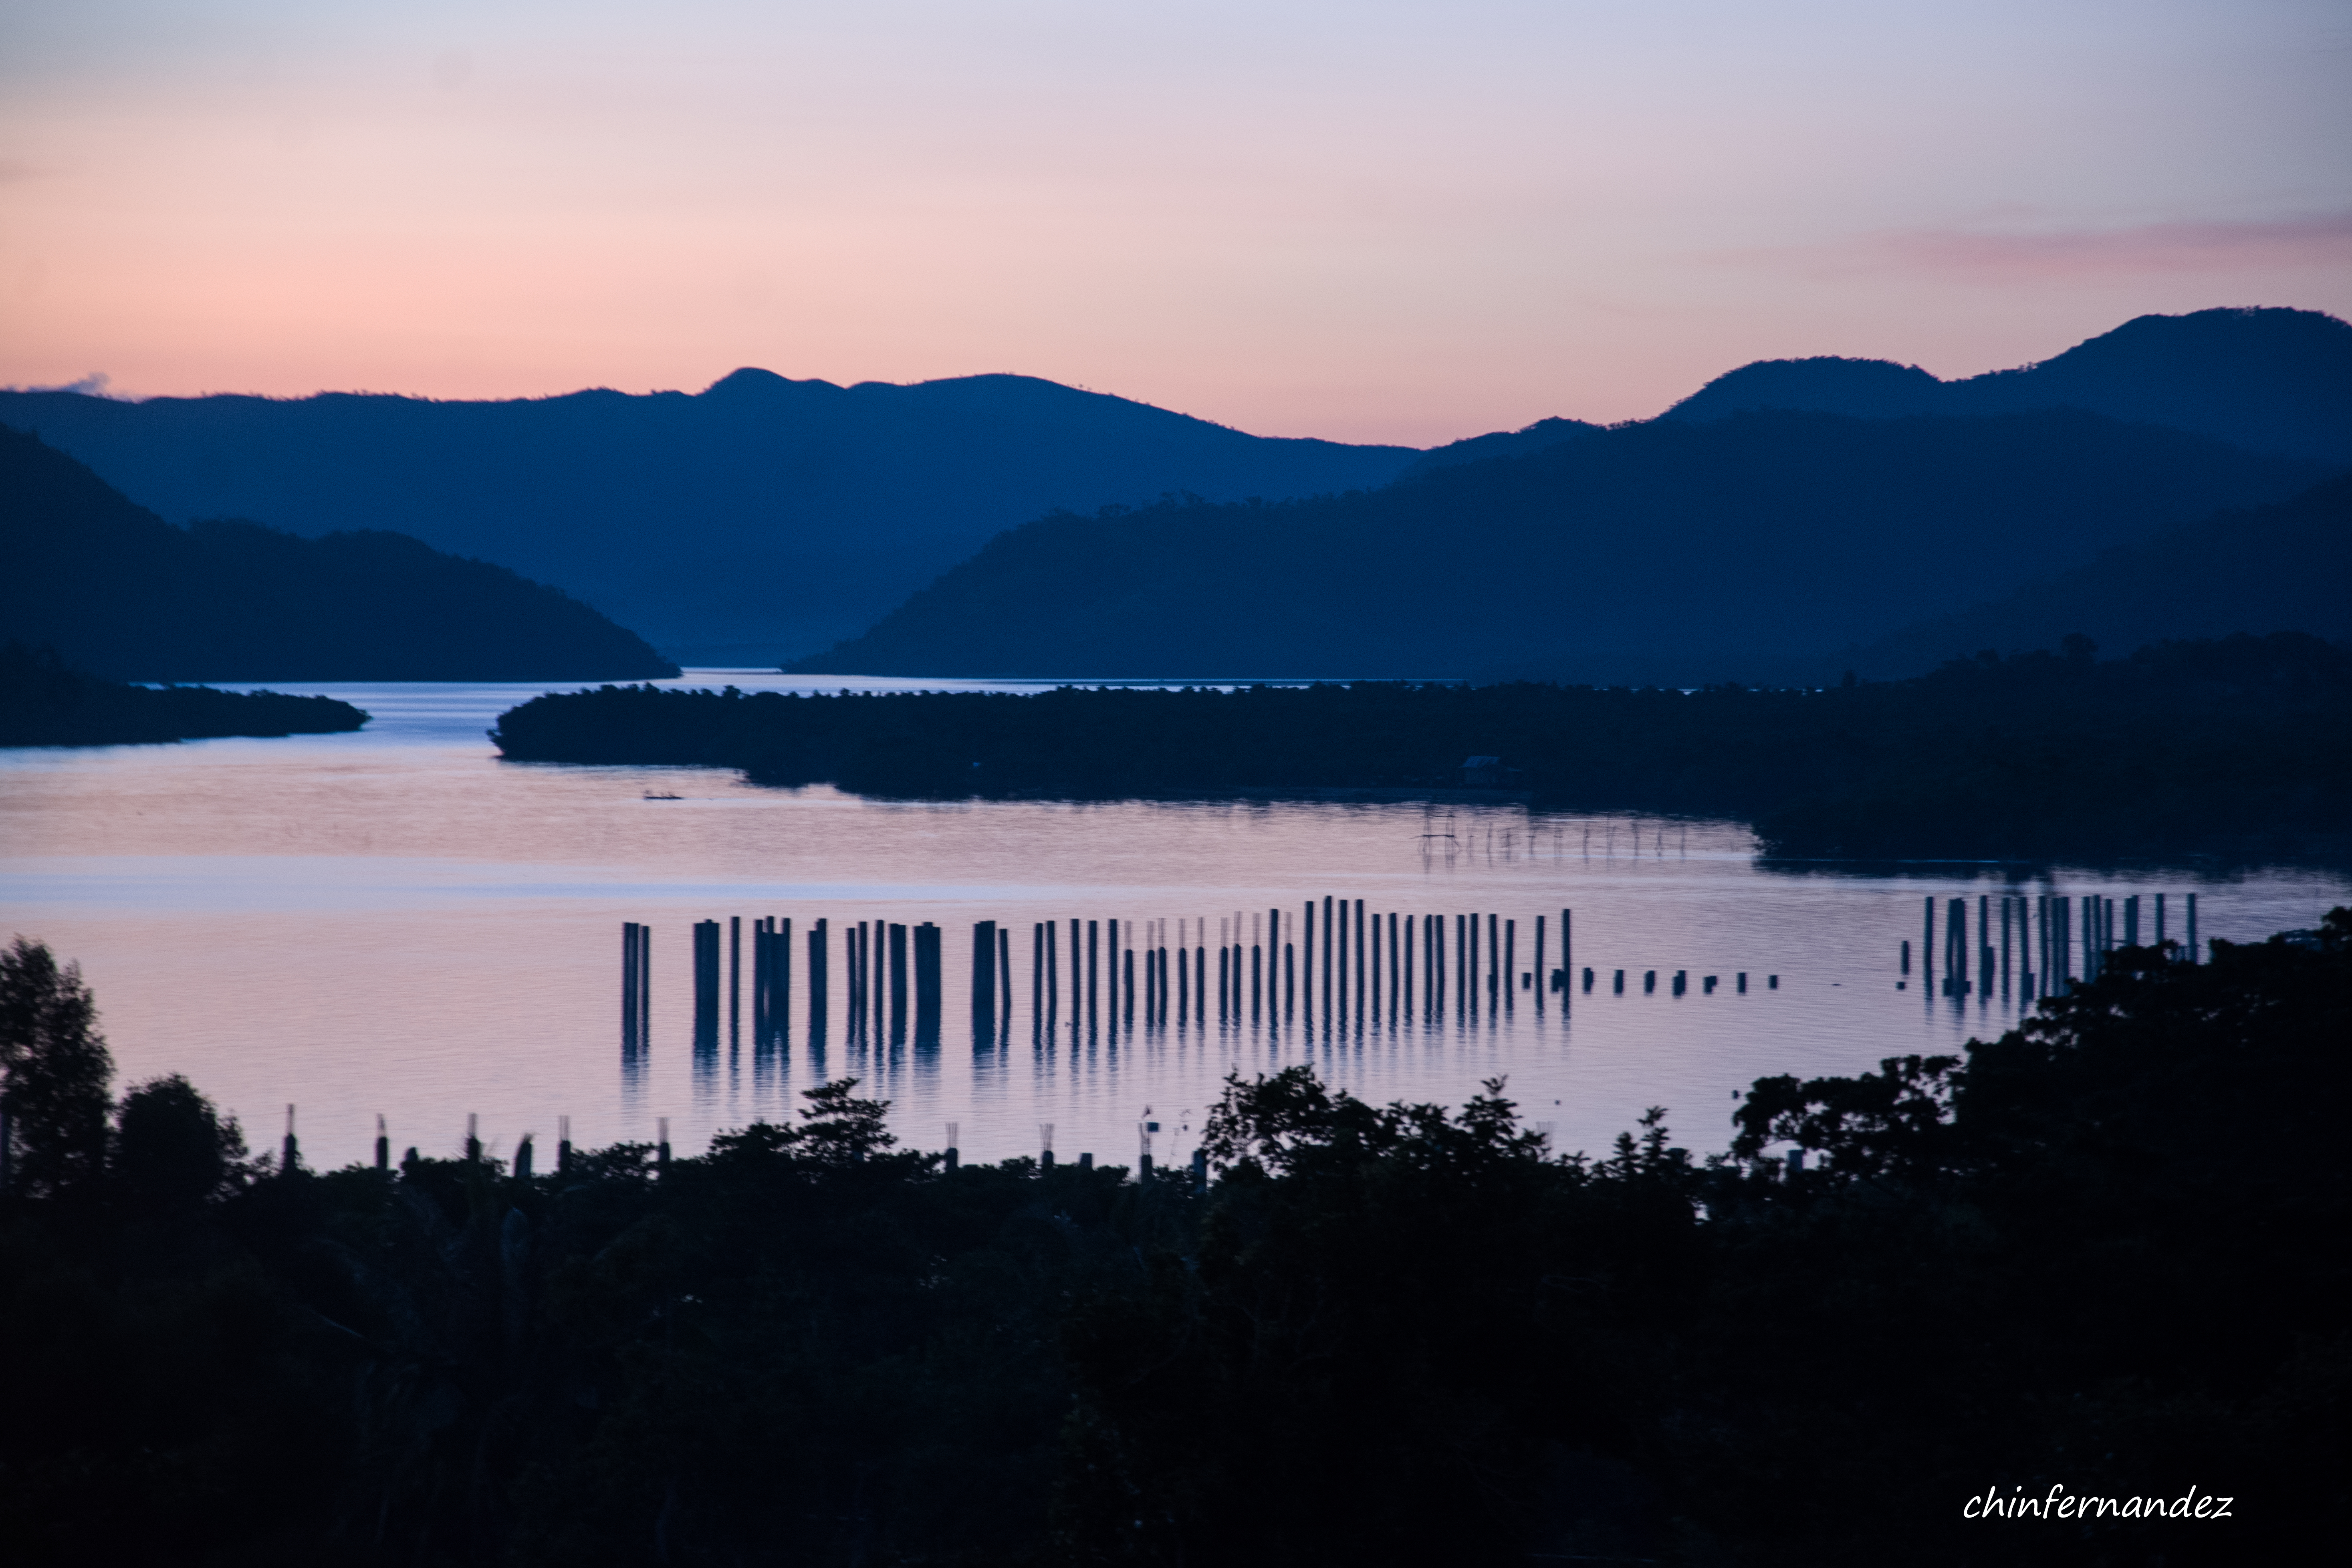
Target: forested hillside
759 518
117 590
1672 552
2286 567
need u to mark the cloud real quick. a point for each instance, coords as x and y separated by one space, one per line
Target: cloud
2186 247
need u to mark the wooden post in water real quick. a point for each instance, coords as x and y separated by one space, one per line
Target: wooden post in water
819 979
706 984
383 1144
1396 965
1359 963
2005 902
734 982
2131 920
1004 973
2159 921
632 977
1327 960
1257 965
1984 945
1511 966
2193 954
1201 970
759 946
983 979
1274 951
1543 977
898 977
927 987
1432 966
1497 981
2063 969
1927 947
1229 968
1339 974
1567 949
783 1003
1408 959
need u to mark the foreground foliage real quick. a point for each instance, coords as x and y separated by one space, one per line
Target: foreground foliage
2102 1253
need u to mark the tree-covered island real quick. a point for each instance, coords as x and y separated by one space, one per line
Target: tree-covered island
2240 745
45 702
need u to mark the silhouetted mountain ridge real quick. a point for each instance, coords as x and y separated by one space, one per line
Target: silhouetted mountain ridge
759 516
115 589
2268 379
1673 551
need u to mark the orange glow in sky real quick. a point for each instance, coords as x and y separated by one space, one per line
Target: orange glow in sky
1365 221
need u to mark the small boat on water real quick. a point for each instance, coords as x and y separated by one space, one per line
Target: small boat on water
664 797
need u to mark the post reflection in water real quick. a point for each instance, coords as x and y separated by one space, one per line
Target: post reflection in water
395 922
1394 1005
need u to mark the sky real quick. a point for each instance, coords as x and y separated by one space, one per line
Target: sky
1366 221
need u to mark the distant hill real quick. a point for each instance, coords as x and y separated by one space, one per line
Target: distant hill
759 518
117 590
1535 438
1674 551
2286 567
2270 379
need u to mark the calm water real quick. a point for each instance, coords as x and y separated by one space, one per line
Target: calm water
398 922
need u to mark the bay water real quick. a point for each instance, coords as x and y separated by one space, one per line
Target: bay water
398 922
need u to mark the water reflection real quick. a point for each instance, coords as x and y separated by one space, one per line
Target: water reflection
397 922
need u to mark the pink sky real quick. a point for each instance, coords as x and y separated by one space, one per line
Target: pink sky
1368 222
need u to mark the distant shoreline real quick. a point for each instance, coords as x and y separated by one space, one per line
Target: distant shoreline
2240 748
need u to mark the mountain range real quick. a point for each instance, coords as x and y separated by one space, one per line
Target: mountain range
1823 502
116 591
1672 552
757 517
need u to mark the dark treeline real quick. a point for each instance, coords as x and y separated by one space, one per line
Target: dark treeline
2093 1256
2240 745
44 702
117 590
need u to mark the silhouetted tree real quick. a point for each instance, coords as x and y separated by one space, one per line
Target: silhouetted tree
172 1149
58 1068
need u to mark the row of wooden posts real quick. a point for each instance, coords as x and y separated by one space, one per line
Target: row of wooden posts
1333 960
520 1166
2035 956
290 1149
